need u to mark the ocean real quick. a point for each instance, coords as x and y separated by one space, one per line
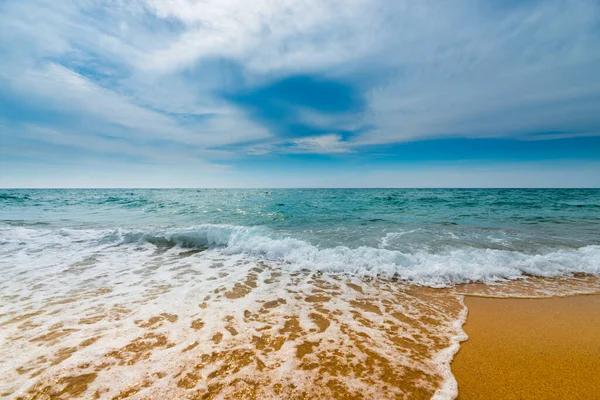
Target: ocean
324 293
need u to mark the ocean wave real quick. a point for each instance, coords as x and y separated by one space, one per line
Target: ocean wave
14 197
442 268
126 201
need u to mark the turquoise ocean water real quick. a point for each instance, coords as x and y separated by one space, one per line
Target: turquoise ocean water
432 237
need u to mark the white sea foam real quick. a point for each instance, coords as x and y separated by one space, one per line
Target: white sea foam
70 275
443 359
446 267
55 280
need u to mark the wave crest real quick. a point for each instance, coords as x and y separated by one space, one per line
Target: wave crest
445 267
451 266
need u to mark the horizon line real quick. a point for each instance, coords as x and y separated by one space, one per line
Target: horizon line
303 188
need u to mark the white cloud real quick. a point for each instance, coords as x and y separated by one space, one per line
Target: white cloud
457 68
330 143
324 144
427 69
44 40
267 35
62 88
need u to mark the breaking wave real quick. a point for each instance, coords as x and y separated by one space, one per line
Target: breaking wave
445 267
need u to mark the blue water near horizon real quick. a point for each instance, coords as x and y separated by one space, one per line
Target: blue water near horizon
428 235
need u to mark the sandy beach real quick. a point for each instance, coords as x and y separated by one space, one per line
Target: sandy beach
530 349
269 334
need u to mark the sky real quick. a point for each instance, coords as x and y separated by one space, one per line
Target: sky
301 93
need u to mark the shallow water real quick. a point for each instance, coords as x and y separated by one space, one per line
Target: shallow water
269 294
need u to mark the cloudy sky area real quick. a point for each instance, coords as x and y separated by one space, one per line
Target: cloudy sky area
237 93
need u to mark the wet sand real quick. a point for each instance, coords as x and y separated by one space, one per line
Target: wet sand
530 349
230 330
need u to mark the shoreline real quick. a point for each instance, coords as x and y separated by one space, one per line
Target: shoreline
530 348
251 329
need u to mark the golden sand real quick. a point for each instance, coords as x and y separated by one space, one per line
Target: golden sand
530 349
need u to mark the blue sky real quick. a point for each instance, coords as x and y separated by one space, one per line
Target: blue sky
304 93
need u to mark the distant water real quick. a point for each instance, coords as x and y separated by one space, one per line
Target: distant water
431 237
269 293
